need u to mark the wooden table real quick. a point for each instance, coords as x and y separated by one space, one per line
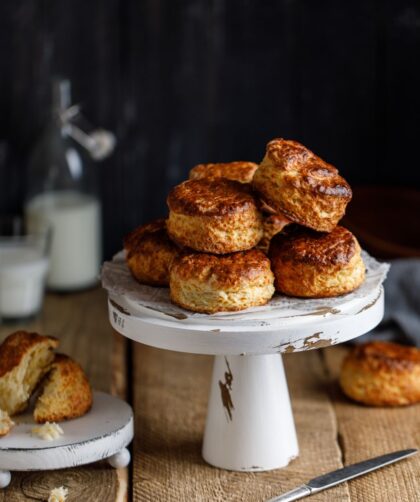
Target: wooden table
168 392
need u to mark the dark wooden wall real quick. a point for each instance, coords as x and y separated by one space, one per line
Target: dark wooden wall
182 82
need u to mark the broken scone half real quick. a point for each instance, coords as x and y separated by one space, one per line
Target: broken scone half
65 393
24 359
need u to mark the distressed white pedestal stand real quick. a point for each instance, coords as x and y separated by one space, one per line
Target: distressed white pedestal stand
103 433
250 424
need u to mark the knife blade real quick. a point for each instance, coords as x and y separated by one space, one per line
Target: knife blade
333 478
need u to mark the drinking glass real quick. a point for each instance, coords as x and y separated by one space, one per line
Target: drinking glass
24 260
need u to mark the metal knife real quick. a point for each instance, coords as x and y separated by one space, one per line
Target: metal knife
345 474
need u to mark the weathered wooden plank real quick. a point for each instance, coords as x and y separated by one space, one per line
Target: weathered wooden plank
80 322
170 397
366 431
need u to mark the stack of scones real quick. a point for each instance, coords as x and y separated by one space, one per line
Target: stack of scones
238 231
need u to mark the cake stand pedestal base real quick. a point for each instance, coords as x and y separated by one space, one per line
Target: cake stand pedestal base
250 424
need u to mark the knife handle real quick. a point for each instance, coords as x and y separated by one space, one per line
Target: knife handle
295 494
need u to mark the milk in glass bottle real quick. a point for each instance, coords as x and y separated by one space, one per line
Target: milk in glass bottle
62 192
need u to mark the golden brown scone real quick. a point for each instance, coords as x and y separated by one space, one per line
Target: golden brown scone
272 225
150 253
24 359
238 171
316 265
211 283
297 183
382 374
65 394
214 216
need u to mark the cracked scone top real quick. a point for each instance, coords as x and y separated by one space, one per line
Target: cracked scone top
239 170
150 252
314 264
299 184
214 216
213 283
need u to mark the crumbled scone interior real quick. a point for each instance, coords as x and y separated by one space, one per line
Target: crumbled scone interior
17 386
48 431
50 394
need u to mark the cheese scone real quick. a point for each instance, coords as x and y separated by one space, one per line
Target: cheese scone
24 359
301 186
382 374
238 171
65 394
150 252
214 216
311 264
212 283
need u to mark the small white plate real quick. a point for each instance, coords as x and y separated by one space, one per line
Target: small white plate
103 433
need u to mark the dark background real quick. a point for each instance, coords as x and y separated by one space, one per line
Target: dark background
182 82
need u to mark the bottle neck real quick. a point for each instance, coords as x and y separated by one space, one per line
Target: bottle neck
61 101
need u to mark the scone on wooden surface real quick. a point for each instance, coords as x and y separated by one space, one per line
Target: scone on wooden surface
150 253
311 264
213 283
65 394
24 359
214 216
300 185
382 374
6 423
239 170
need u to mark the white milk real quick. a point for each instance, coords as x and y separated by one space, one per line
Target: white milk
76 236
22 277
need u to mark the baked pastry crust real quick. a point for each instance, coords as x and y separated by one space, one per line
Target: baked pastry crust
299 184
241 171
17 345
382 374
24 359
310 264
214 216
66 392
150 252
210 283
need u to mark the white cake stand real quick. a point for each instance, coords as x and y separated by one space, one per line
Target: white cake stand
250 425
103 433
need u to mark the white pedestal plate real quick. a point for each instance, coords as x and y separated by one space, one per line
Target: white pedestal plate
103 433
250 425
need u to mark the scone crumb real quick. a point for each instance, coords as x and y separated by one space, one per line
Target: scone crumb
6 423
58 494
48 431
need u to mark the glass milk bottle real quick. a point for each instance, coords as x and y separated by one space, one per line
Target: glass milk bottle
62 192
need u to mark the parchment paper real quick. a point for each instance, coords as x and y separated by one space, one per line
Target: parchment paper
117 279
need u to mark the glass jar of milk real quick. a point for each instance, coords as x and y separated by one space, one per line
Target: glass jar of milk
62 192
